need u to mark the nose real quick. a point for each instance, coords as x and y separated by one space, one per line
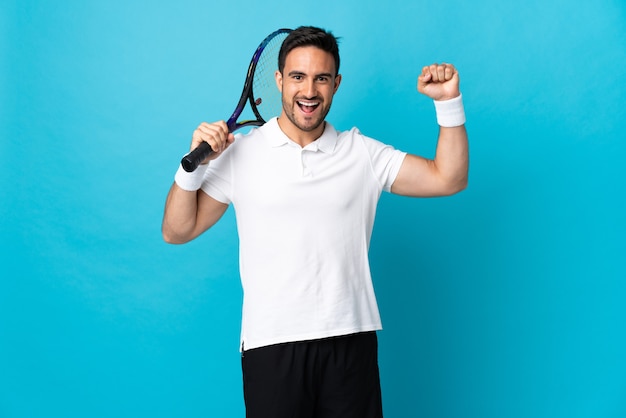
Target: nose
310 89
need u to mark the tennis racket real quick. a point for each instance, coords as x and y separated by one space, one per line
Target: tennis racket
259 90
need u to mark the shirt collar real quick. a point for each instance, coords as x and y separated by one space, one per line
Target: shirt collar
276 137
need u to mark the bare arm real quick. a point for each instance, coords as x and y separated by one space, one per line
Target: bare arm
189 213
447 173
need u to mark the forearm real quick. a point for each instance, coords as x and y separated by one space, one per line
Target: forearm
188 210
452 158
447 172
180 216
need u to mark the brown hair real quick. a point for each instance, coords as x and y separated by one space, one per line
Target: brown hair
309 36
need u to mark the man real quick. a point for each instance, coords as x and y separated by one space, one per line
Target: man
305 198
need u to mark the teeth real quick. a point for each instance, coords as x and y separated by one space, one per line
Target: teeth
308 104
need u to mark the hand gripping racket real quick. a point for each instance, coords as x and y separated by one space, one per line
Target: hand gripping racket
259 90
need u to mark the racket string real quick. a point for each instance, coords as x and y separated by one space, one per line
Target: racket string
266 94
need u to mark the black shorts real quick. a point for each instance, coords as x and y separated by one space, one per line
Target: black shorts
327 378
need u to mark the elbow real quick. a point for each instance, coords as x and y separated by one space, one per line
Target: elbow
170 240
170 237
462 185
174 240
456 186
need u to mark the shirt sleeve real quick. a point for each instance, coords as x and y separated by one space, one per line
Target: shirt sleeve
218 178
385 160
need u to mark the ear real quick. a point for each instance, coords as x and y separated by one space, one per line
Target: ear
337 82
279 80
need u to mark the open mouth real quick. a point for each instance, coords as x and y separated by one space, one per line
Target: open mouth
307 106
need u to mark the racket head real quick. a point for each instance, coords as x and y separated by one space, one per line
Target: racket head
260 89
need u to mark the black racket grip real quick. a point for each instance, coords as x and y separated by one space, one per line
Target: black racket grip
192 160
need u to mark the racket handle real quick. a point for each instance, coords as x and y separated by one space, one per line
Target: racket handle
192 160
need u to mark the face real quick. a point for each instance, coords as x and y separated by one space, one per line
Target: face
307 84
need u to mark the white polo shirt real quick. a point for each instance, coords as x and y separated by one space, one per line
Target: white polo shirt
304 218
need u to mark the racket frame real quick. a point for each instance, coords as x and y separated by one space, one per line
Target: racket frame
191 161
247 94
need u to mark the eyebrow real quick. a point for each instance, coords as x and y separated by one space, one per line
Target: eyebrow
292 73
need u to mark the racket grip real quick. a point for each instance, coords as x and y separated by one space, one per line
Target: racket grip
192 160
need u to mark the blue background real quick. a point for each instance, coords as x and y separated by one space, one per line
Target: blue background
507 300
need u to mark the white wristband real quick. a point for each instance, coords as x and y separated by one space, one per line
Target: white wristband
450 113
190 182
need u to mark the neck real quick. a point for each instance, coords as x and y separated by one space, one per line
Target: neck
297 135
